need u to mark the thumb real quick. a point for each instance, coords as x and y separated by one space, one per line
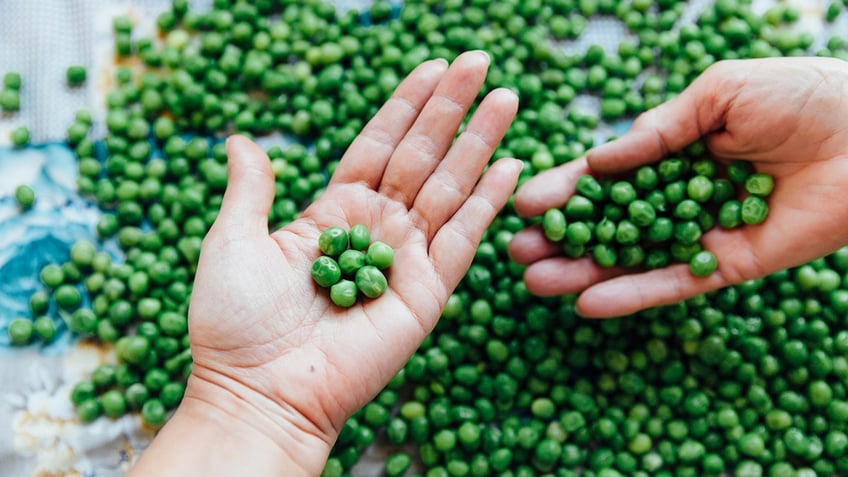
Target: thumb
250 188
699 110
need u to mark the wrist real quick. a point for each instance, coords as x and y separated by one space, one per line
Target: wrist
219 431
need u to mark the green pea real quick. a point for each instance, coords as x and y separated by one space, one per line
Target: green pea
155 379
326 271
371 281
89 410
641 213
343 293
579 208
360 237
333 241
687 209
20 138
675 192
136 395
605 255
730 214
153 412
397 464
738 171
20 331
25 196
554 225
578 233
44 328
75 75
10 100
132 349
671 169
687 232
380 255
759 184
52 276
700 188
107 332
657 200
657 258
573 250
627 233
703 264
723 191
171 394
754 210
114 403
67 297
622 193
12 80
646 178
605 231
350 261
590 188
631 256
661 230
83 321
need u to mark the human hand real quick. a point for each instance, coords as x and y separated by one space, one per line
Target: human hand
788 116
269 347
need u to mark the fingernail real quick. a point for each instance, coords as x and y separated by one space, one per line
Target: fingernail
484 53
443 61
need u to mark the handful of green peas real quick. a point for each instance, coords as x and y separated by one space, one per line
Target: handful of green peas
658 214
351 264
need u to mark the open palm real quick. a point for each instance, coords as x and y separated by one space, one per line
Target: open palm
788 116
262 330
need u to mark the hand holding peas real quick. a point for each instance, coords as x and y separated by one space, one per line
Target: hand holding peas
786 116
275 360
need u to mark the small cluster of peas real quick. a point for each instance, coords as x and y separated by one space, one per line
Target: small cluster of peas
10 102
658 214
351 264
10 98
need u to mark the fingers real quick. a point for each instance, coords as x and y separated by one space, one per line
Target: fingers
448 187
428 140
551 188
671 126
366 158
454 244
561 275
630 293
250 189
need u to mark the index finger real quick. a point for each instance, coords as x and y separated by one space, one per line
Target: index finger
550 188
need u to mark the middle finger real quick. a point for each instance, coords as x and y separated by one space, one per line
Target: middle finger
427 142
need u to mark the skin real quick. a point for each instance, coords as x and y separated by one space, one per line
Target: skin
788 116
278 368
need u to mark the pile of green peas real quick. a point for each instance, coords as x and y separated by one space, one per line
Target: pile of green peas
657 214
748 380
351 264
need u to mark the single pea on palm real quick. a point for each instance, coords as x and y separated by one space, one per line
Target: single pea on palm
267 340
781 115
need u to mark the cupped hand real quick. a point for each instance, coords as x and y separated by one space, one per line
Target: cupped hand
265 335
788 116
